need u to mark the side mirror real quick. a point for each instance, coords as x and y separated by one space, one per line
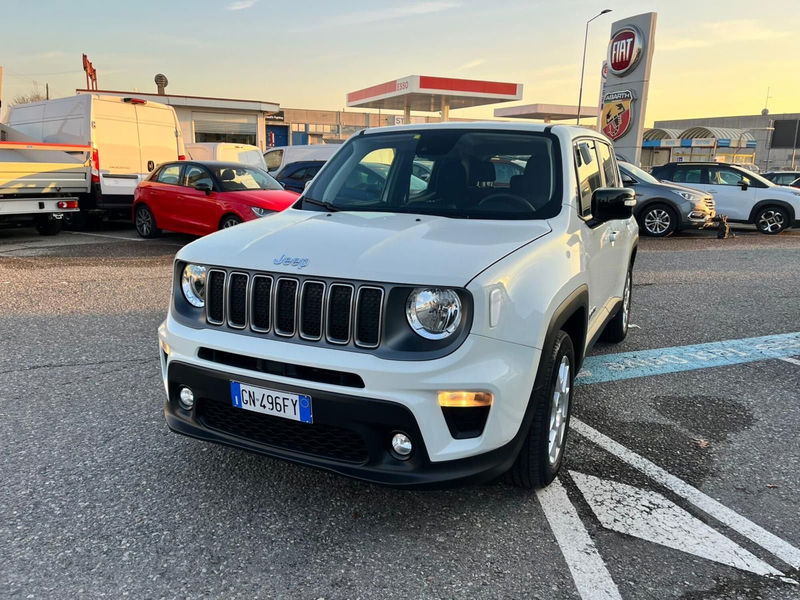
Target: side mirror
745 183
613 203
626 181
203 187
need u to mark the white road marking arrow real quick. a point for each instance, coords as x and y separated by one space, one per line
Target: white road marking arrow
652 517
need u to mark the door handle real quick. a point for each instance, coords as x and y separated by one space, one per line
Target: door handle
612 236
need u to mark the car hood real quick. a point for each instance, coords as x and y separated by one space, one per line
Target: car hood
367 246
272 199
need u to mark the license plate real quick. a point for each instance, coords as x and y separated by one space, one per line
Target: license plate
296 407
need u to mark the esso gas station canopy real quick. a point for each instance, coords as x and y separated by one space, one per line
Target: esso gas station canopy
431 94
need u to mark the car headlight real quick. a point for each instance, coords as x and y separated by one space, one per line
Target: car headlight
261 212
694 198
433 313
193 284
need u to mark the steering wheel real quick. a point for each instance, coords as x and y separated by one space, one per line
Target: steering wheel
516 199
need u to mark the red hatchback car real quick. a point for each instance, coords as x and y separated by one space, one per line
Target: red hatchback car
202 197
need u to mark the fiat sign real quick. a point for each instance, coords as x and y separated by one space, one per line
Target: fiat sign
624 51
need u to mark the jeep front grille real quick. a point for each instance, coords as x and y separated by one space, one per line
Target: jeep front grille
296 307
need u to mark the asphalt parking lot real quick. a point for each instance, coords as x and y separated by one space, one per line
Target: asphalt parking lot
682 476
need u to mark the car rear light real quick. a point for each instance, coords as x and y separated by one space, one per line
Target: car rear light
95 166
134 100
67 204
181 157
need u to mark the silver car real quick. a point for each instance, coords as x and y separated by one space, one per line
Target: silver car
664 208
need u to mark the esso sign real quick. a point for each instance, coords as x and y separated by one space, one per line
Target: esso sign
624 51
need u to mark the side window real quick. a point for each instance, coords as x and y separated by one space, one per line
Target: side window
688 175
169 174
311 172
721 176
610 173
273 159
589 178
299 174
194 175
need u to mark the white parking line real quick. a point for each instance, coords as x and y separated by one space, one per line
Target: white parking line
794 361
588 570
756 534
102 235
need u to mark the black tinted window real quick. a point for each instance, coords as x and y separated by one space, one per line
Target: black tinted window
688 175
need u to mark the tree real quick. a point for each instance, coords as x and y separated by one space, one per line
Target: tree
35 95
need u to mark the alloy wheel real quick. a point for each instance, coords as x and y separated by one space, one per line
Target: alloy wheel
657 221
771 221
559 411
626 302
144 222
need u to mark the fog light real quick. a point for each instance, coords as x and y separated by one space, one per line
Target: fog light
186 398
402 446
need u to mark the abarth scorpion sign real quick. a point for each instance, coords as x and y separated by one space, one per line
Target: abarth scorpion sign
616 117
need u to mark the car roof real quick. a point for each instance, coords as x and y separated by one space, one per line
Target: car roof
220 164
571 130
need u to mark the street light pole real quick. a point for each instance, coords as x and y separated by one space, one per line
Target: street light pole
583 62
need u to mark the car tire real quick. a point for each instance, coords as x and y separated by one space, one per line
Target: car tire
658 220
616 330
145 222
771 220
229 221
47 226
542 452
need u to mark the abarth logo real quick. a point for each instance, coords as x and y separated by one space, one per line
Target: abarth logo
291 261
616 117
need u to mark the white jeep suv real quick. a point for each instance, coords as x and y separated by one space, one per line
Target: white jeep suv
406 333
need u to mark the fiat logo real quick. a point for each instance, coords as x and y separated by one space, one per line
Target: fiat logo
624 51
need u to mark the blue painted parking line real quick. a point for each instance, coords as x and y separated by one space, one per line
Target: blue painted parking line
661 361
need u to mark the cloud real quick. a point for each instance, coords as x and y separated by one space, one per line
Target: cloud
715 34
372 16
240 4
470 65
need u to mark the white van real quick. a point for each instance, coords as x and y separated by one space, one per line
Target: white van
279 157
128 136
227 152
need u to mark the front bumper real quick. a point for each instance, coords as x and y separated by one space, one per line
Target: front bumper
397 396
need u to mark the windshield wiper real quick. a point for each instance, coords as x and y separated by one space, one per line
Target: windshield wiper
326 205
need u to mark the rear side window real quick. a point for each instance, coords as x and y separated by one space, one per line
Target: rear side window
169 174
688 175
273 159
589 178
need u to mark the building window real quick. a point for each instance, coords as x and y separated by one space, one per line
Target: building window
225 127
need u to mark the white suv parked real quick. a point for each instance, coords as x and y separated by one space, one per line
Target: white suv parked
404 334
739 194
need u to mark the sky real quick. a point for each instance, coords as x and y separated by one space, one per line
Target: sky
712 57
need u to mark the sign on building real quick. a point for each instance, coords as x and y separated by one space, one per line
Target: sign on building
624 96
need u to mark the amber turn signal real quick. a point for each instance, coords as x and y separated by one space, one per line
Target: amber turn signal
465 399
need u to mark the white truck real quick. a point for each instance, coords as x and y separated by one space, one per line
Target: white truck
403 335
40 182
128 138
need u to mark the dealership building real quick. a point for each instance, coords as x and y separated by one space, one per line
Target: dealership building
769 141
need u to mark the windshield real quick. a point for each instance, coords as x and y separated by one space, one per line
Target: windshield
239 178
635 172
447 172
